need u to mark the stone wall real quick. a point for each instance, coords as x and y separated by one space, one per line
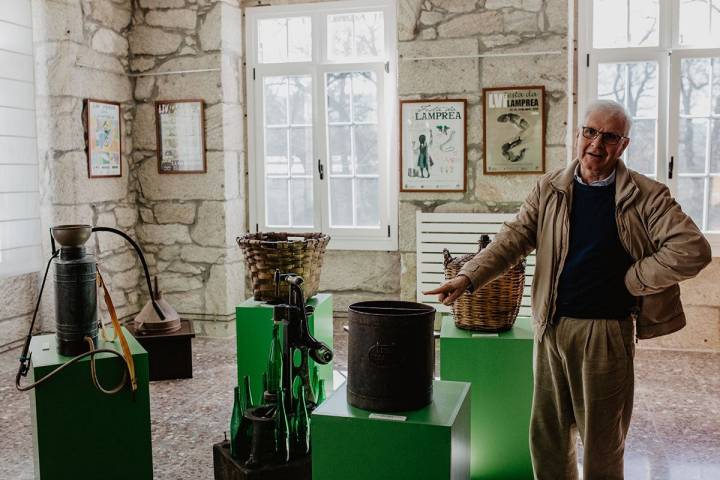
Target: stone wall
81 52
188 222
17 297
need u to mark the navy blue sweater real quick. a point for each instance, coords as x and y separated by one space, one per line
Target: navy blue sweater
592 280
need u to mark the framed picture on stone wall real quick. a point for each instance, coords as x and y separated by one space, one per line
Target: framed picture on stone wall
432 145
514 130
102 130
180 126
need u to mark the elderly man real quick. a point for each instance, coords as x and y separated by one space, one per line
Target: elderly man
611 247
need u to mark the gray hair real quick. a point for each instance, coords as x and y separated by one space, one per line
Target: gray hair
610 108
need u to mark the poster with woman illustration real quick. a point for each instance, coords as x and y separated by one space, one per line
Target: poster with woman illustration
514 130
102 126
432 136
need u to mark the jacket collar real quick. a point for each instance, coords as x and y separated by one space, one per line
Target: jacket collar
625 186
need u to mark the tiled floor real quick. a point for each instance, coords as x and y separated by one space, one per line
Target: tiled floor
675 434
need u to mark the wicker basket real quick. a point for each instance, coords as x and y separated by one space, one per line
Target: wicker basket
298 253
495 306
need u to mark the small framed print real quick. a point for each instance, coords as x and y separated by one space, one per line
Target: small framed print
432 145
514 130
180 126
102 130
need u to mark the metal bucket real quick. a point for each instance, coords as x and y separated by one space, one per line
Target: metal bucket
391 355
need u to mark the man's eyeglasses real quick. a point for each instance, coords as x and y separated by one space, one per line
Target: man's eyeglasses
608 138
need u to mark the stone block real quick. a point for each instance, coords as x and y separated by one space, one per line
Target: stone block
368 271
495 4
18 295
110 15
483 23
455 6
186 301
163 234
428 34
556 129
703 290
512 70
224 288
499 40
503 188
408 277
520 22
142 63
234 221
409 12
72 214
431 18
176 282
233 167
88 56
123 280
199 62
196 253
59 123
230 76
532 5
182 267
147 215
169 252
231 33
167 212
144 87
210 29
702 332
177 18
162 3
57 21
207 186
209 230
70 184
407 231
556 12
153 41
429 77
107 41
125 216
202 85
15 329
144 134
120 262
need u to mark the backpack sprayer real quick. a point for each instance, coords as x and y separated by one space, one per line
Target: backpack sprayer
76 281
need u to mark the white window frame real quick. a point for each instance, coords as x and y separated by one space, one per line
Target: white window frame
668 54
356 238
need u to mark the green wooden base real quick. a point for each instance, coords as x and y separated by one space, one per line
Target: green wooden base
430 444
81 433
499 366
254 333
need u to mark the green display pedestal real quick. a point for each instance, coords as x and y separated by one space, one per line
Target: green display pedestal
254 332
77 430
499 367
430 444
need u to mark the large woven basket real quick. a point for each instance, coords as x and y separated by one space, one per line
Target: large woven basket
493 307
298 253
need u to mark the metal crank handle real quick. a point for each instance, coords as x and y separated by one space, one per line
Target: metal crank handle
322 355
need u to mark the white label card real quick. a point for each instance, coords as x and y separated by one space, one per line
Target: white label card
480 335
392 418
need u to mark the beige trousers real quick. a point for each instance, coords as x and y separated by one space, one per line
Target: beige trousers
584 382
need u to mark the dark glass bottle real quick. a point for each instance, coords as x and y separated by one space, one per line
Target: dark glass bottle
235 421
320 398
302 424
275 358
282 429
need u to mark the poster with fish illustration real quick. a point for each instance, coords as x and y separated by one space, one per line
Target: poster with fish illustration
103 138
432 136
514 130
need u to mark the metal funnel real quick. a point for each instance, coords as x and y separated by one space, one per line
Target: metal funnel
71 235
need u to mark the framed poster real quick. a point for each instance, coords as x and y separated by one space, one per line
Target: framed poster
514 130
180 126
432 145
102 130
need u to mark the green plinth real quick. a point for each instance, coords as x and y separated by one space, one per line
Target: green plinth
499 367
430 444
254 332
80 433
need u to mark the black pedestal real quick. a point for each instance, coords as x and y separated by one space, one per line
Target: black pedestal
226 468
170 354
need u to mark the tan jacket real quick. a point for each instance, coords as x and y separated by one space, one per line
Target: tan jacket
665 243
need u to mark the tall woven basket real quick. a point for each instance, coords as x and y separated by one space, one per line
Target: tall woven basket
493 307
298 253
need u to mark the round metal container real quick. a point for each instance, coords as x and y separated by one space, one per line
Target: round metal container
75 300
391 355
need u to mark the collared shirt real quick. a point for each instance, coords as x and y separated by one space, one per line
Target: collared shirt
610 179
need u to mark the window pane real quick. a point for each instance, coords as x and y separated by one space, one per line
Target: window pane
285 40
625 23
716 85
714 211
695 86
341 207
276 148
364 89
365 148
358 35
340 149
715 146
612 80
699 22
640 154
642 101
300 89
302 202
690 196
367 200
275 100
276 202
301 151
691 147
338 97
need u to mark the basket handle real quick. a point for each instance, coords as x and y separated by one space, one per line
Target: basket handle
447 258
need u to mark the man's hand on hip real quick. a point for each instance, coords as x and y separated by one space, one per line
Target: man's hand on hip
449 291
